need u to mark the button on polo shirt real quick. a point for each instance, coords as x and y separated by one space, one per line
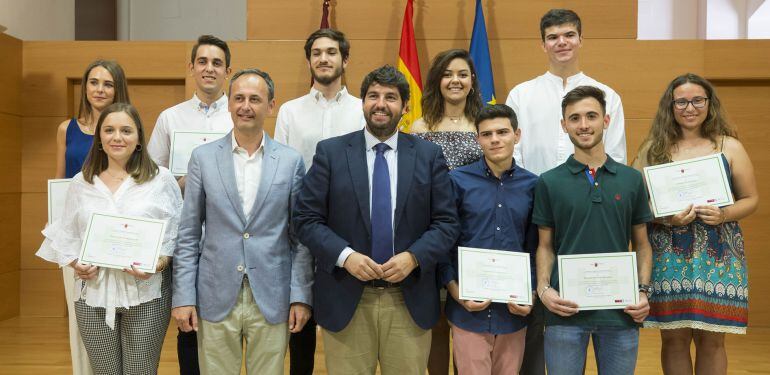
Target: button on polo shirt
590 218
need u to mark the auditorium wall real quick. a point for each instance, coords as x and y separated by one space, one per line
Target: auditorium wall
638 70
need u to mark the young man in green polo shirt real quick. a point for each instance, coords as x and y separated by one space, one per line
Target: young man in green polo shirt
590 204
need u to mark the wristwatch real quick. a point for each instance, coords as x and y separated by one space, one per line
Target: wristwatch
646 289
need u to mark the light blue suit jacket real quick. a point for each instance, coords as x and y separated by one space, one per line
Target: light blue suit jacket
209 269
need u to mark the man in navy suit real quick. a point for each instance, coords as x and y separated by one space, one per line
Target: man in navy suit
376 211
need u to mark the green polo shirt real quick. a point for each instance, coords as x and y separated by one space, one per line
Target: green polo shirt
590 218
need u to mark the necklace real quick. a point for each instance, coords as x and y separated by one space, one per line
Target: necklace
454 119
114 177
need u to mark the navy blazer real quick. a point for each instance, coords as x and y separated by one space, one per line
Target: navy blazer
332 212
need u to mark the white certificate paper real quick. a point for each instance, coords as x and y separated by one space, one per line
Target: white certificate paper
599 281
182 145
699 181
500 276
121 241
57 193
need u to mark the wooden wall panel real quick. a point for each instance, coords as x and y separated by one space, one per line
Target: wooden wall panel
10 80
434 19
10 206
10 153
750 61
42 293
9 308
34 214
746 103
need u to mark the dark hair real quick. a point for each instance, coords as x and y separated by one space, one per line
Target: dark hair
118 78
494 111
582 92
433 101
139 166
386 75
665 131
213 41
254 71
558 17
332 34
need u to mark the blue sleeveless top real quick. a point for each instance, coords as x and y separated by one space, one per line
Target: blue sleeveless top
78 144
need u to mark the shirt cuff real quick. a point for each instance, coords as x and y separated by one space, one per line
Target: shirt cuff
344 256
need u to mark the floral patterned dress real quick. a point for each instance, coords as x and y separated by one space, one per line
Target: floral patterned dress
699 277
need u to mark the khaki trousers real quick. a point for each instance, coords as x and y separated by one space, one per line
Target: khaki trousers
381 331
220 344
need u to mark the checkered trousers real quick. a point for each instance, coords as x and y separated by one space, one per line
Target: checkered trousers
134 346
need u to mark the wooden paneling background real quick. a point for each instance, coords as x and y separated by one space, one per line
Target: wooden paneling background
638 70
10 178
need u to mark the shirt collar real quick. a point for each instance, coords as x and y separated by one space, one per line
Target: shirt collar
484 168
576 167
317 95
559 80
371 140
218 104
236 148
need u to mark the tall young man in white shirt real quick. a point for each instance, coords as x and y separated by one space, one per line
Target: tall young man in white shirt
327 111
537 102
206 111
543 144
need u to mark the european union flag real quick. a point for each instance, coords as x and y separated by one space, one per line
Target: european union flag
480 55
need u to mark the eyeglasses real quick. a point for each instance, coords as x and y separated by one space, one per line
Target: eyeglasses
697 102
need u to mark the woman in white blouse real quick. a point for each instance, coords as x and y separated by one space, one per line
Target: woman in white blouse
122 314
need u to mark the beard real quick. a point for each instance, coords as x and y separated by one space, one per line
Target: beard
382 130
327 79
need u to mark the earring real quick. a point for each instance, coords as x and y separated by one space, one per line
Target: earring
100 148
138 148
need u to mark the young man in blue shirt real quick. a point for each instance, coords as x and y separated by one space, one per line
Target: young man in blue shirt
494 200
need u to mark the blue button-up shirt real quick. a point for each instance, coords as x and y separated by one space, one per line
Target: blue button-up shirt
495 213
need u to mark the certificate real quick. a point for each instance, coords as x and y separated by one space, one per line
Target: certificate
182 145
121 241
500 276
699 181
57 193
599 281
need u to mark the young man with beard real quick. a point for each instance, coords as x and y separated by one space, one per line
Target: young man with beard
590 204
543 144
328 110
376 211
206 111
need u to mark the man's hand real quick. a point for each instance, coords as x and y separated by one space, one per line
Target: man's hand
186 318
398 267
639 311
85 271
520 310
557 305
475 305
299 314
362 267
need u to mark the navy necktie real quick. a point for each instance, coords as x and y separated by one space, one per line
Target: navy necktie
382 224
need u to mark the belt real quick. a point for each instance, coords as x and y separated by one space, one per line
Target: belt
382 284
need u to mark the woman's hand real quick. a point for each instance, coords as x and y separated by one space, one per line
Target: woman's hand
685 217
711 215
139 274
84 271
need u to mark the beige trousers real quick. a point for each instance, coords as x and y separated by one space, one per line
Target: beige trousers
381 331
221 344
80 362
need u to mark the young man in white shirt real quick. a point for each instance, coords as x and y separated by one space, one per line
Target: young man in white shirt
328 110
206 111
543 144
537 102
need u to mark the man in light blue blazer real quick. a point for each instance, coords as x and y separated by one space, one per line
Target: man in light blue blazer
247 276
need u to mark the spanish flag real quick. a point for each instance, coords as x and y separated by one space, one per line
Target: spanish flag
479 52
409 64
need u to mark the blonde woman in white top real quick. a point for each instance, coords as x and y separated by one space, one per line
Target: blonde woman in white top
122 314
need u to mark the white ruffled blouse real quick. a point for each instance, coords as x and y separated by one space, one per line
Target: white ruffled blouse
159 198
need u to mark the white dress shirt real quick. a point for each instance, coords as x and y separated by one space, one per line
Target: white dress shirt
391 157
543 144
248 171
191 115
158 198
309 119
